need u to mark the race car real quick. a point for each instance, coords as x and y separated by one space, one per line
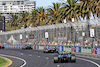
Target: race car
2 47
27 47
50 50
64 57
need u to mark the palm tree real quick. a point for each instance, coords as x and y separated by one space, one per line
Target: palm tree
53 13
91 6
70 10
13 21
34 15
24 18
97 7
41 16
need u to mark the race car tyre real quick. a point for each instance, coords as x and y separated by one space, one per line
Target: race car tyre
56 50
2 47
56 59
44 51
73 58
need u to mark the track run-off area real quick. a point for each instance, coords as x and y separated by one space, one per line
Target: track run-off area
36 58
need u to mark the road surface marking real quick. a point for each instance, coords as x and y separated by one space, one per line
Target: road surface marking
88 57
21 53
58 65
38 56
46 58
15 58
30 55
10 61
89 61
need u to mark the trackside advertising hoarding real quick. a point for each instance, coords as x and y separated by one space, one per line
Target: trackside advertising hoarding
97 50
77 49
67 48
60 47
41 47
86 49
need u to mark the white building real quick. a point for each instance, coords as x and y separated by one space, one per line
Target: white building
8 7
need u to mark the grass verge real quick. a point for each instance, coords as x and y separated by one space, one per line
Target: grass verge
3 62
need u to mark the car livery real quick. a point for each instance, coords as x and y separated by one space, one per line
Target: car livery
64 57
50 49
27 47
2 47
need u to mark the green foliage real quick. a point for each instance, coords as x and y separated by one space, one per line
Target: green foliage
55 14
3 62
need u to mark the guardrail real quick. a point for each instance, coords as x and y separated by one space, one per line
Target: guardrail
12 46
77 49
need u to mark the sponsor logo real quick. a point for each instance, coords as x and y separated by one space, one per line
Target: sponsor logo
83 50
98 50
67 49
77 49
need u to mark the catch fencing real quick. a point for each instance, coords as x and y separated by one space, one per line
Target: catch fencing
78 31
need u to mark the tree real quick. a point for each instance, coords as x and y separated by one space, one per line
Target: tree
41 16
24 18
70 10
13 21
34 15
53 13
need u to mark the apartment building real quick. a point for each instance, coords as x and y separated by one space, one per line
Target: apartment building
8 7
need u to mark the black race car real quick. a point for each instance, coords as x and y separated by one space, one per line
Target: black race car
64 57
2 47
27 47
50 50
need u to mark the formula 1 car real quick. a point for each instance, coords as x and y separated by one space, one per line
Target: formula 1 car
2 47
64 57
27 47
50 50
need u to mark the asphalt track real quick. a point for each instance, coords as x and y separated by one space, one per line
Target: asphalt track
36 58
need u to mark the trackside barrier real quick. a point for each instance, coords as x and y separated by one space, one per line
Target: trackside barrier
60 47
41 47
67 48
32 45
77 49
13 46
36 46
96 50
20 46
86 49
46 46
54 46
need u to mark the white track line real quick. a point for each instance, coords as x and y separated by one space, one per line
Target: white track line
88 57
89 61
15 58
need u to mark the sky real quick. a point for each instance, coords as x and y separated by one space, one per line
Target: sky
45 3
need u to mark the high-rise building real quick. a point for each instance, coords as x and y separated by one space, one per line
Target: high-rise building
8 7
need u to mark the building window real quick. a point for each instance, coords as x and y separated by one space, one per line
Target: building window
21 8
22 3
3 3
5 9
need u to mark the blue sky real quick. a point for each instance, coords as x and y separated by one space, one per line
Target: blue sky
45 3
